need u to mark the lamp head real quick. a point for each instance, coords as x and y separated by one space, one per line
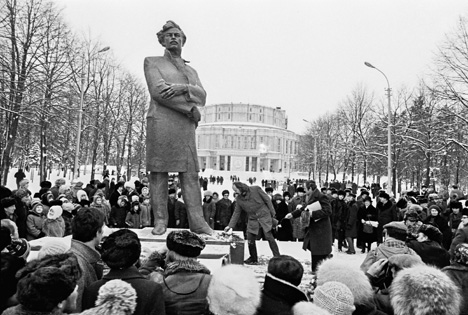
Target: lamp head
368 64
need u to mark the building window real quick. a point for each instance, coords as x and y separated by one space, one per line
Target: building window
254 164
228 163
279 145
250 116
229 116
247 163
221 162
219 116
246 142
252 143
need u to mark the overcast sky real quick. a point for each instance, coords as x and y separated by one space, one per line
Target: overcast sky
303 56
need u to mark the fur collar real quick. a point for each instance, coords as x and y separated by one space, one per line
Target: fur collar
190 266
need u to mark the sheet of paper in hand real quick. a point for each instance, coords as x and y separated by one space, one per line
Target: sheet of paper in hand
314 206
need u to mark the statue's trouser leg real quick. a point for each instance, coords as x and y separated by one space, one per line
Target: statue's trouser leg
159 194
192 198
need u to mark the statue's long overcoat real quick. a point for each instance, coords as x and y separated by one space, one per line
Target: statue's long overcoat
171 123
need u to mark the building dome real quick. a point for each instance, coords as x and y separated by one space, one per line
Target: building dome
245 137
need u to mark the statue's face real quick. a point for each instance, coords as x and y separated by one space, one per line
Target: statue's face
173 39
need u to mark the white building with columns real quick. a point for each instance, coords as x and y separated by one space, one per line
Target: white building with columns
247 138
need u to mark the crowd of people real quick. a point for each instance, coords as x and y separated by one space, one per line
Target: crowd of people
418 264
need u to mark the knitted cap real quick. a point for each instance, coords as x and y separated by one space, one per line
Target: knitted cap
35 201
334 297
185 243
20 248
116 297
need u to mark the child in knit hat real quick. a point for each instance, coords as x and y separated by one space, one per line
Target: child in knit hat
34 221
54 225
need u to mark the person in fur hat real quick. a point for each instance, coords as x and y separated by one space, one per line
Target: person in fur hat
354 279
458 272
387 211
186 281
428 246
435 218
35 221
121 252
367 218
424 290
47 286
280 289
54 225
116 297
234 290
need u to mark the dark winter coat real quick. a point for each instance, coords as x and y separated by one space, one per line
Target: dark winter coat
351 220
318 237
171 222
279 296
180 214
285 232
431 253
170 149
386 213
185 288
459 274
223 213
117 217
150 297
67 218
257 204
442 224
209 212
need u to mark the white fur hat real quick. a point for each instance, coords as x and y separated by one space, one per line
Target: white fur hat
307 308
234 290
424 290
351 276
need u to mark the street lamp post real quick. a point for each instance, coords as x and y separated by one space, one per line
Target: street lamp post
315 153
80 113
389 130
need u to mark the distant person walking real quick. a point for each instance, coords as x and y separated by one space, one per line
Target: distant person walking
19 177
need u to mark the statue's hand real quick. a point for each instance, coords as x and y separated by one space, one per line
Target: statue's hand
173 90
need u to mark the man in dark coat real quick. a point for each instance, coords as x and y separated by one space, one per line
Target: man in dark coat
175 91
121 251
318 237
386 213
223 211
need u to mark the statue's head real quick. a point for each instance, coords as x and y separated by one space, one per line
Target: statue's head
166 27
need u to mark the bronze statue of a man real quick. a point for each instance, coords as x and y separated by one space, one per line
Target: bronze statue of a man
175 91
